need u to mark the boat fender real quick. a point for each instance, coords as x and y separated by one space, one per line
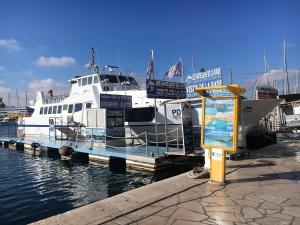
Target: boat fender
35 145
65 150
12 142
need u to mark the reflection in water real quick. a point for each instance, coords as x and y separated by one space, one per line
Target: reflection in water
33 188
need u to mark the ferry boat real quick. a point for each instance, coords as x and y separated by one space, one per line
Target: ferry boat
71 110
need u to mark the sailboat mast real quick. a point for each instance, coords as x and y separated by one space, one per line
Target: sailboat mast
266 67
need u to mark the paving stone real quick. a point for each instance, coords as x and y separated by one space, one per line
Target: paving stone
296 221
153 220
168 211
272 211
188 195
222 222
272 198
281 216
185 222
269 205
250 212
193 206
291 202
253 198
222 201
184 214
122 220
271 221
169 201
143 212
247 203
233 209
292 211
223 216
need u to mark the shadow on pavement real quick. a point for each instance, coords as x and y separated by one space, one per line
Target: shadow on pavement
294 175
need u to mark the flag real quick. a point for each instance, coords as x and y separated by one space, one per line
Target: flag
150 68
175 70
88 65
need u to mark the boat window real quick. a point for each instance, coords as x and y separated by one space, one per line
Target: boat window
96 79
109 78
88 105
50 110
70 109
78 107
139 114
90 80
84 81
59 109
41 110
65 107
54 109
79 82
123 79
45 110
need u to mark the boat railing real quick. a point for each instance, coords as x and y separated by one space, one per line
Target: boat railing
56 98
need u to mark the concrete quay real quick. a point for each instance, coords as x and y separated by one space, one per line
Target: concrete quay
262 189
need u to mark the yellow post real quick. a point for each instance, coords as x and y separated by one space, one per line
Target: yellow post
220 138
218 164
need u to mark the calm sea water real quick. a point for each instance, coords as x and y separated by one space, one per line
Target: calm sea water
35 187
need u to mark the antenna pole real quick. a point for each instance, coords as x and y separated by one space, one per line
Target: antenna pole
193 65
285 68
26 100
230 76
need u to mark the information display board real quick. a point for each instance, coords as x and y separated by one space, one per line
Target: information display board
209 78
219 122
219 127
165 89
108 101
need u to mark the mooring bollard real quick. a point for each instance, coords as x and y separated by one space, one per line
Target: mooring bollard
6 145
117 164
19 146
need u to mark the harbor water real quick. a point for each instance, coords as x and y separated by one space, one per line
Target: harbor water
36 187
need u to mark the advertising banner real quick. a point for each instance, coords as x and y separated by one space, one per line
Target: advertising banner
96 134
165 89
212 77
292 120
218 122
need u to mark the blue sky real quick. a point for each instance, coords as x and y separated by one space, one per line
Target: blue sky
216 33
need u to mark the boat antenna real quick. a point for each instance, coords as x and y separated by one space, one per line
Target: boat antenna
92 64
26 99
287 89
118 61
230 76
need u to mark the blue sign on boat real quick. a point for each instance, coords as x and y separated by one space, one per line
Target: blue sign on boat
208 78
108 101
165 89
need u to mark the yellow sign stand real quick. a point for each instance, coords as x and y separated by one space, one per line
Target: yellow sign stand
220 105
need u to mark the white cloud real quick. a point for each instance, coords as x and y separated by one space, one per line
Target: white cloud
55 61
10 44
47 84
